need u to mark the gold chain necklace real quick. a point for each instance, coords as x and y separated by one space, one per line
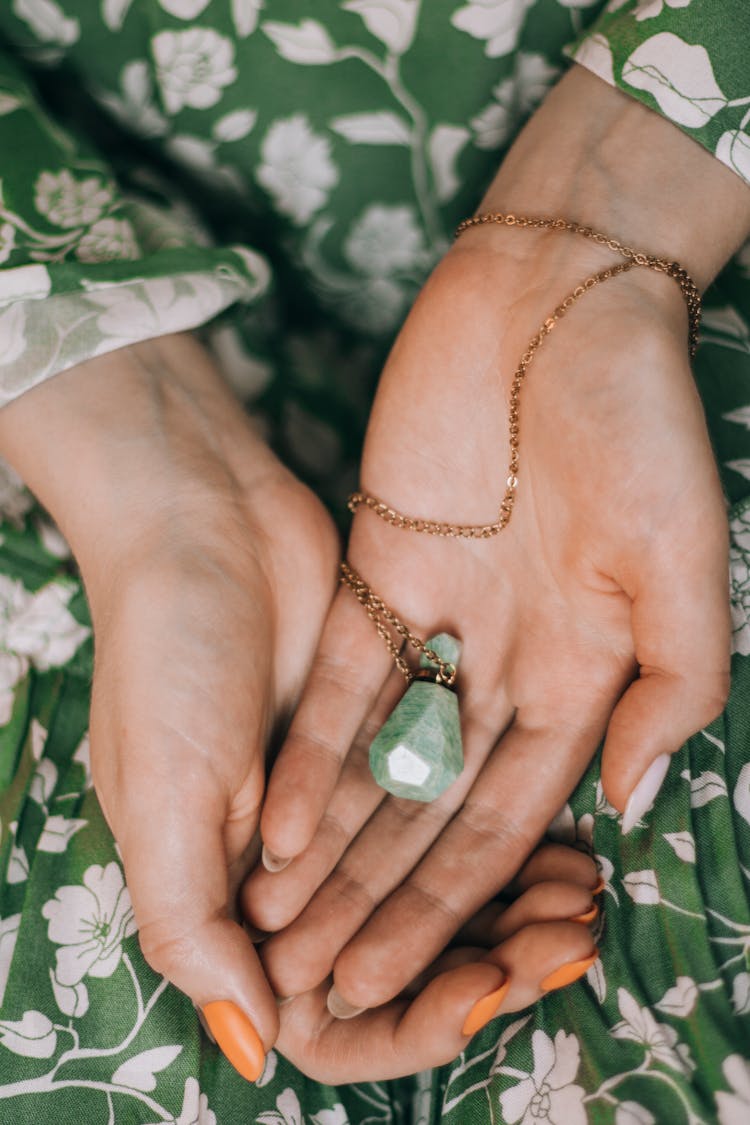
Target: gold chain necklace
384 619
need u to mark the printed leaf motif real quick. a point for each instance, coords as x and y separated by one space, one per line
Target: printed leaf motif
234 126
446 142
114 13
741 994
184 9
704 788
595 54
309 44
391 21
9 928
741 795
642 886
269 1069
138 1072
683 845
57 833
717 742
740 417
43 782
32 1036
733 148
47 21
631 1113
245 16
679 76
18 866
380 128
598 981
38 739
680 999
8 103
741 466
288 1110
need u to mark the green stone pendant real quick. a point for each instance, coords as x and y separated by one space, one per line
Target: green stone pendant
417 753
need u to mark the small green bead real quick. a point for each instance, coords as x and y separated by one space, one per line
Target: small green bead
417 753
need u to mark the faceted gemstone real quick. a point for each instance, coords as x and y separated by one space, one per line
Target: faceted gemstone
417 753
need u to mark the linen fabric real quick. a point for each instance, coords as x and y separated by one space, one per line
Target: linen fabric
281 176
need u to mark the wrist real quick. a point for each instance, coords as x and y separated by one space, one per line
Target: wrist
122 447
594 154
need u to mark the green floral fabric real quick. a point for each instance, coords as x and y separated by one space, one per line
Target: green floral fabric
282 176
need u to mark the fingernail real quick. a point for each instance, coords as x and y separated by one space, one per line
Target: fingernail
566 974
273 863
644 794
485 1009
587 917
340 1008
237 1038
601 883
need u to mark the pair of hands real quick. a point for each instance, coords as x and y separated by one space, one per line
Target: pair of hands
211 575
210 572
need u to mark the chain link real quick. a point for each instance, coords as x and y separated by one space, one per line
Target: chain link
381 617
378 612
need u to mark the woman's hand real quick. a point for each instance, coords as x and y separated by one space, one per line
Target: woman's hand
209 571
614 564
506 958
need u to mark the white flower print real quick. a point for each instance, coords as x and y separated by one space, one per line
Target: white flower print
195 1109
7 241
34 629
499 22
89 923
385 239
515 98
193 67
548 1093
134 107
141 310
659 1039
9 928
734 1106
48 21
41 628
595 54
739 573
12 333
68 202
107 241
296 169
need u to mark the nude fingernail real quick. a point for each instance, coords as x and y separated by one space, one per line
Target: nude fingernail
273 863
566 974
236 1036
644 794
587 917
485 1009
340 1008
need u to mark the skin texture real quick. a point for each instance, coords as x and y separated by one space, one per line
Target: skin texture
579 621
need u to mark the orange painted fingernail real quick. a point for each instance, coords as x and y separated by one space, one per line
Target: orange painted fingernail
485 1009
237 1038
601 883
587 917
566 974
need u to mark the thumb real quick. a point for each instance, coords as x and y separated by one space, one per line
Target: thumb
176 863
681 630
